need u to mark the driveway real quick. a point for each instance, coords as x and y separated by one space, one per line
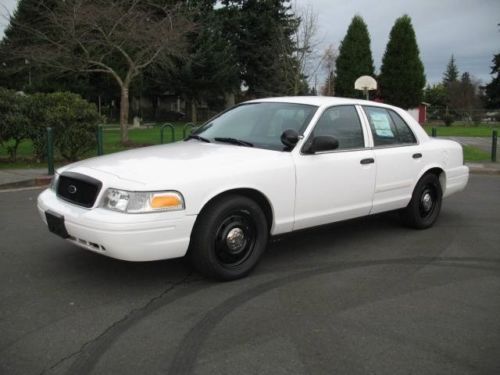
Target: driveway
366 296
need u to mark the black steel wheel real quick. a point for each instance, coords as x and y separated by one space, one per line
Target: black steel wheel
425 205
229 238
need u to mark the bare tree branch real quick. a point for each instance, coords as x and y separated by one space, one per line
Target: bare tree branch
101 36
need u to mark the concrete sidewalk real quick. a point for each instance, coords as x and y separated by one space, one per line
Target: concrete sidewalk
23 178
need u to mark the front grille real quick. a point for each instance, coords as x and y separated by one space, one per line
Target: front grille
78 188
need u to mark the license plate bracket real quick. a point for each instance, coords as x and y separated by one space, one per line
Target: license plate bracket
55 223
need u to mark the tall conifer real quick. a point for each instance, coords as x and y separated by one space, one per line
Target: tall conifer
402 77
354 60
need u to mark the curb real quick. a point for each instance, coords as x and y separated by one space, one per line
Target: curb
484 168
40 181
487 171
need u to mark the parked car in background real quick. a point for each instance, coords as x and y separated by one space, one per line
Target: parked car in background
262 168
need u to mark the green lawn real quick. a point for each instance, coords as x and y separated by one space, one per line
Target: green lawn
151 136
473 154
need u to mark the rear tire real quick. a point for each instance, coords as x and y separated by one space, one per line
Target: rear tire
425 205
229 238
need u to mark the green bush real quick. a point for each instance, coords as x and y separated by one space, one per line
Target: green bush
14 122
73 120
476 119
448 119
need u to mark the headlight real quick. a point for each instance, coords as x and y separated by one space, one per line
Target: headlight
136 202
54 182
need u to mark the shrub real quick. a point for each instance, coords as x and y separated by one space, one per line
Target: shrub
14 122
73 120
448 119
476 119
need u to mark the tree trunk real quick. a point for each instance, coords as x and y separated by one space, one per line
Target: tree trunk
230 100
194 113
124 106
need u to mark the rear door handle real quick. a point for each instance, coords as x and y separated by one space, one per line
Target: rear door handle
417 155
367 161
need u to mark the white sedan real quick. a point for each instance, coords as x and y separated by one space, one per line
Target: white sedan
262 168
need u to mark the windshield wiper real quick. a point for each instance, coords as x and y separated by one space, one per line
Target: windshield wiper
233 141
198 137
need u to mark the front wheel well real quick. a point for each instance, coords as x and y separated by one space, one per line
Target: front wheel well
252 194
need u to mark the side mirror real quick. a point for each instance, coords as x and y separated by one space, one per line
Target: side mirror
289 138
323 143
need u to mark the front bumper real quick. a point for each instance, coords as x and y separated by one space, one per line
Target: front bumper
132 237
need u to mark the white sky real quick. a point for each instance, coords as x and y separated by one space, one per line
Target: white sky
6 7
466 28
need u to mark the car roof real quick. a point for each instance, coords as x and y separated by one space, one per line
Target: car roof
317 100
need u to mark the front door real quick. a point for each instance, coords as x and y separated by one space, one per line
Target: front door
339 184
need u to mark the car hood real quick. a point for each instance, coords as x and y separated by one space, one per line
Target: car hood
191 161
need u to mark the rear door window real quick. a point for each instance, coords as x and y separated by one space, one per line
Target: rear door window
388 128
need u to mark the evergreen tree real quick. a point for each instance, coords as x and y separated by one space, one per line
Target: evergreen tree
464 97
261 31
493 88
20 73
435 95
211 69
354 60
451 73
402 75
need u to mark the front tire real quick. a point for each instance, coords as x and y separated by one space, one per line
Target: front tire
229 238
425 205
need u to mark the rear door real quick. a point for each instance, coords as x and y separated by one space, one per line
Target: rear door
398 157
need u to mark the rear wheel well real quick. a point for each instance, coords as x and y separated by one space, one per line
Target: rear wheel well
252 194
439 173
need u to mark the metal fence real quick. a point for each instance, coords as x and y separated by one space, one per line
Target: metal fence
186 130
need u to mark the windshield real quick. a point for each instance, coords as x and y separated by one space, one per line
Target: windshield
258 124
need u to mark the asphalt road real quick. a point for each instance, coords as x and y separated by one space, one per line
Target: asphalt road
360 297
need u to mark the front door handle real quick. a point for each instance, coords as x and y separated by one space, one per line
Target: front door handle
367 161
417 155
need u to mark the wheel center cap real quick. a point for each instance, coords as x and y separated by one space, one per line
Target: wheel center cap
427 201
236 240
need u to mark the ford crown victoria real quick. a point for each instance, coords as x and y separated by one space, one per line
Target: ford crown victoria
262 168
